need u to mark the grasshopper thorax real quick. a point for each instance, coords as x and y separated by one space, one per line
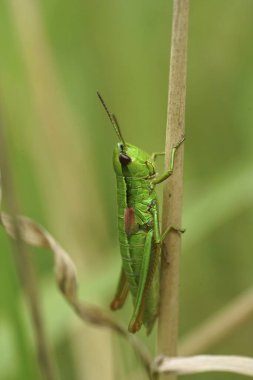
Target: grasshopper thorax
131 161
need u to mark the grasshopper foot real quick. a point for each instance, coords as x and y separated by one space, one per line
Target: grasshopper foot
134 326
179 142
178 230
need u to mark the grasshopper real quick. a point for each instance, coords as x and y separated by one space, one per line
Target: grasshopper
139 230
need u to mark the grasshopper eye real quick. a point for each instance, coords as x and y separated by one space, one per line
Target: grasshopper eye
124 159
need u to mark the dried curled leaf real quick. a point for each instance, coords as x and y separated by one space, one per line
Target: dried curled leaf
66 276
204 363
35 235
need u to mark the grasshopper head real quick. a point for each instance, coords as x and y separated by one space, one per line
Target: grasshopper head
130 161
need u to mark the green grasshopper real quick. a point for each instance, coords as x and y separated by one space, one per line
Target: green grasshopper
139 231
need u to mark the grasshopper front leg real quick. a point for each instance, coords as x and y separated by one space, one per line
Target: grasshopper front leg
154 155
158 238
168 173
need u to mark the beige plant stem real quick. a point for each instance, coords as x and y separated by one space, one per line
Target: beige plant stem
25 270
172 206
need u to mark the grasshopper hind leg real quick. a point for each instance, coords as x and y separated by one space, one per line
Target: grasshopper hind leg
121 292
148 267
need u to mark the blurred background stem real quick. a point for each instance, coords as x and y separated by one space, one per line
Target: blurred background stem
172 196
219 325
25 268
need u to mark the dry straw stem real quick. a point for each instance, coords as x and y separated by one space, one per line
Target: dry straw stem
204 363
219 326
172 206
25 269
55 127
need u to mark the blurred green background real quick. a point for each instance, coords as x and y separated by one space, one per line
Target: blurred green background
54 55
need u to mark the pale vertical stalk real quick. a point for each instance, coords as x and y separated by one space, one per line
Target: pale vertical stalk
62 157
25 270
172 205
60 152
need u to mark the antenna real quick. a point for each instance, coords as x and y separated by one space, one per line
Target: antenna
113 119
